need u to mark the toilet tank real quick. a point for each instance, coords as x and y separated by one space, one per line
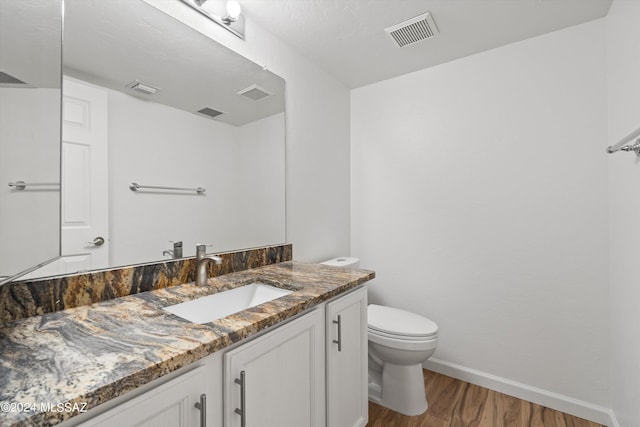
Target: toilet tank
345 262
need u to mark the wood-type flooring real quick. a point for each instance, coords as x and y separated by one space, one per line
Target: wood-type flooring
455 403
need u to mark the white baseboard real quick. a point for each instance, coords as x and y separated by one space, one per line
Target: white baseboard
559 402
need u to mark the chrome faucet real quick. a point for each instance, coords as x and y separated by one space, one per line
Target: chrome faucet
177 249
202 262
168 252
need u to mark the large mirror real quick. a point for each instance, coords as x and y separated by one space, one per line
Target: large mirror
167 137
30 54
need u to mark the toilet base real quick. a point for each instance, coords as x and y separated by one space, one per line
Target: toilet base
399 388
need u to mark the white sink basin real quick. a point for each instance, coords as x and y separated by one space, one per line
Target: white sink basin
216 306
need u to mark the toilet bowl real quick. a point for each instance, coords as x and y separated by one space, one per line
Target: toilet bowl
399 342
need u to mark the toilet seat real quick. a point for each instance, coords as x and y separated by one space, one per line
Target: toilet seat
399 324
401 337
402 343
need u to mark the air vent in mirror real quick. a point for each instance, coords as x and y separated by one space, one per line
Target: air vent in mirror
145 88
209 112
254 92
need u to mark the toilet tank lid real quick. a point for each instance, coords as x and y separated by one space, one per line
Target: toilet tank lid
344 261
399 322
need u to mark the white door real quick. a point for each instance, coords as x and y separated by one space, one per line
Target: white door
84 210
347 394
277 380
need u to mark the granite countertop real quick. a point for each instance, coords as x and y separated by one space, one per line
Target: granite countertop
85 356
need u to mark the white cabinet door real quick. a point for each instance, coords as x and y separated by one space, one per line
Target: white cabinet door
277 380
171 404
347 404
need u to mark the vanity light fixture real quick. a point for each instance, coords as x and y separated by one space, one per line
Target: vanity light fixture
233 12
233 20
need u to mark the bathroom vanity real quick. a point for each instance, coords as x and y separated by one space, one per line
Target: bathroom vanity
300 359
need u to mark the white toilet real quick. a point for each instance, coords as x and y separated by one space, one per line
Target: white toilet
399 341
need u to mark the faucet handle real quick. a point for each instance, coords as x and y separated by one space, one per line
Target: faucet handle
177 248
201 248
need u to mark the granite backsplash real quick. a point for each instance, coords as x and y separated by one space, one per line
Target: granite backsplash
23 299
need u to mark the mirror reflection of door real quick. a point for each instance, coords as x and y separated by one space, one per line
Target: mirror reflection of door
85 205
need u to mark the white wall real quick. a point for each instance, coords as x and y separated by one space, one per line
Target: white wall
29 151
317 123
479 197
623 71
241 168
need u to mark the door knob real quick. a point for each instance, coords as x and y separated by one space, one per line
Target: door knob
98 241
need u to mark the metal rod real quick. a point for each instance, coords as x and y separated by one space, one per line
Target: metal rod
202 407
624 142
242 411
339 340
21 185
135 187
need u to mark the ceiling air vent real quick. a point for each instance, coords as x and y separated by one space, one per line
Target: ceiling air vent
141 87
254 92
6 79
209 112
414 30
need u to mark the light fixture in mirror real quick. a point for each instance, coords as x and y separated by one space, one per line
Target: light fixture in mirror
233 12
230 17
30 75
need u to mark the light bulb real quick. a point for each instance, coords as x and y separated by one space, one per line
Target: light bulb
233 10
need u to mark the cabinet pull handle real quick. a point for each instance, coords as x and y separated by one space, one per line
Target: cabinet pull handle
243 410
339 340
202 407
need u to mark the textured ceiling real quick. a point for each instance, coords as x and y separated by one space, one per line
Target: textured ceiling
111 43
30 41
344 37
347 38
